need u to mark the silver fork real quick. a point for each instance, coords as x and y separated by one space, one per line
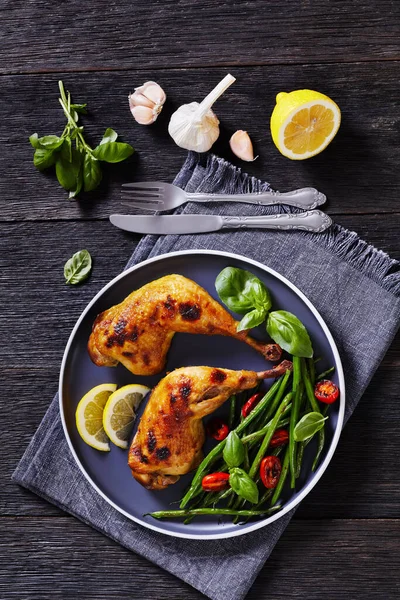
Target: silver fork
159 196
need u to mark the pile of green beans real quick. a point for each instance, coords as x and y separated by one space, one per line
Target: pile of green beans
289 397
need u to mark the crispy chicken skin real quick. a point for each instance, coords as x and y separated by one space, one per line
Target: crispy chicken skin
138 332
170 436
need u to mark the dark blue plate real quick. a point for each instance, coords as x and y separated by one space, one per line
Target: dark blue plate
108 472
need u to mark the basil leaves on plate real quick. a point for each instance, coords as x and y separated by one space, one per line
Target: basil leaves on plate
243 485
308 426
244 293
234 450
287 331
78 267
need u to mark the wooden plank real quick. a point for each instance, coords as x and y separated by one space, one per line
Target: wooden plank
358 172
185 33
65 559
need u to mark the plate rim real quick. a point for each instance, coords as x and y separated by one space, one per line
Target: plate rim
342 399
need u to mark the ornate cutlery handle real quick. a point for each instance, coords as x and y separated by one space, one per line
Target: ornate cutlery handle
305 198
313 220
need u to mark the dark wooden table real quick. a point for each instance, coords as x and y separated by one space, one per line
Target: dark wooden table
344 541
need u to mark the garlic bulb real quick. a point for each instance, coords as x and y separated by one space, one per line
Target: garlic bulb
146 102
241 145
194 126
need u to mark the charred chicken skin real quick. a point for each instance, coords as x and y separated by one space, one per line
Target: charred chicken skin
138 332
170 436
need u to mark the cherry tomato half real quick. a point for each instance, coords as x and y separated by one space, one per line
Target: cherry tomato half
215 482
270 471
326 391
250 404
280 438
217 429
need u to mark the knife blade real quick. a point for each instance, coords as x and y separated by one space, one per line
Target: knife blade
312 220
166 224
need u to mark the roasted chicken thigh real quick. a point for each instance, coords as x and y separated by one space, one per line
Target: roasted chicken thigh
138 332
170 436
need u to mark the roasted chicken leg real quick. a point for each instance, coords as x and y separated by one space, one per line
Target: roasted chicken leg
169 440
138 332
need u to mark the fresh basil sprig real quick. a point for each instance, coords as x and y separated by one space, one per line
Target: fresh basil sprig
243 485
77 164
78 267
308 426
289 332
245 294
234 450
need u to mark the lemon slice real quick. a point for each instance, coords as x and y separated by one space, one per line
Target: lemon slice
120 412
303 123
89 416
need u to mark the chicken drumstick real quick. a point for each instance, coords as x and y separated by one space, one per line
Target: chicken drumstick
138 332
170 435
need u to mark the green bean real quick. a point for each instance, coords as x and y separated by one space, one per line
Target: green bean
282 478
294 417
268 435
252 438
325 373
172 514
311 366
232 411
315 406
299 457
216 452
274 405
246 462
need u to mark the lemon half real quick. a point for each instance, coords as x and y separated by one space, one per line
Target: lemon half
120 412
89 416
303 123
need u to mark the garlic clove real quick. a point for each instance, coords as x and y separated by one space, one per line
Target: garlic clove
153 92
148 96
138 99
143 115
241 145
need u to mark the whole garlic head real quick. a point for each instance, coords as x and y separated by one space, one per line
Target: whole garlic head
146 102
195 126
241 145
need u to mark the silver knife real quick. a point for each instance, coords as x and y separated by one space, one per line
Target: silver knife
312 220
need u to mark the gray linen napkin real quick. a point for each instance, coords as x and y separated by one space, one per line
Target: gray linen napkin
355 287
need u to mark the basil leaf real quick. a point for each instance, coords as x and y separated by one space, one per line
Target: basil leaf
50 142
66 150
78 267
113 152
109 136
42 159
79 108
234 450
69 172
79 184
241 291
252 319
243 485
308 426
287 331
34 140
91 173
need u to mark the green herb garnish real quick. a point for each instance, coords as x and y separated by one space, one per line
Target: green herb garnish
77 164
78 267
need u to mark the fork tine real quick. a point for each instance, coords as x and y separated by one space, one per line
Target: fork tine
144 206
143 185
152 196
